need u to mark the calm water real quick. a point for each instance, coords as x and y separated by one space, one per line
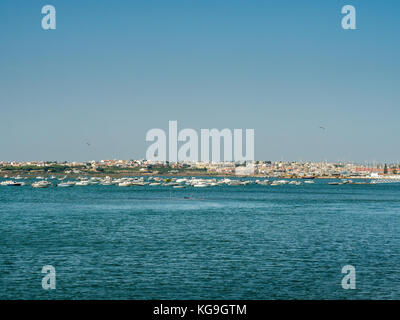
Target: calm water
252 242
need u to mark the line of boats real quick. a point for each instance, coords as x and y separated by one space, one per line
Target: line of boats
177 183
345 181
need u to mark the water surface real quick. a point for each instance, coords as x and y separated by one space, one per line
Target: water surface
230 242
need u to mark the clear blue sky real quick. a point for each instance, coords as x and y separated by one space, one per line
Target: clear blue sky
112 70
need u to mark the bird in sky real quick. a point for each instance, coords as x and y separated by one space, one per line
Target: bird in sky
323 128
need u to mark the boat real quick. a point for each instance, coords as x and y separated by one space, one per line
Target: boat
12 183
276 184
263 182
41 184
200 185
66 184
283 181
138 183
171 184
82 183
125 184
234 183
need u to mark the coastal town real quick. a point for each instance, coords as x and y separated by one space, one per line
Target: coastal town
272 169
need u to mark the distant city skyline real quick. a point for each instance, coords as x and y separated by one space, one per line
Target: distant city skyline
111 71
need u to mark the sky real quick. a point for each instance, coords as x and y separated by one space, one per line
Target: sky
112 70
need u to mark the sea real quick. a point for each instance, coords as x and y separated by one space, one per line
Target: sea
223 242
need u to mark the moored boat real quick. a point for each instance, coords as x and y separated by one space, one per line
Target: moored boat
66 184
13 183
41 184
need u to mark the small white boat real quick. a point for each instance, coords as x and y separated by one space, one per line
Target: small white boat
82 183
125 184
171 184
66 184
14 184
41 184
200 185
139 184
283 181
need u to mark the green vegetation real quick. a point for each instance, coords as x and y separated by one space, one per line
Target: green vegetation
62 168
56 168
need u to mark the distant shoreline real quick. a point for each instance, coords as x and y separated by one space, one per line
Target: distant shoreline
42 173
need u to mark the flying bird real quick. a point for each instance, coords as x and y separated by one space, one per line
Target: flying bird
323 128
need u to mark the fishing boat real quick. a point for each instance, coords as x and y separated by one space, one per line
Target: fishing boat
283 181
200 185
12 183
82 183
66 184
234 183
171 184
41 184
138 183
125 184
